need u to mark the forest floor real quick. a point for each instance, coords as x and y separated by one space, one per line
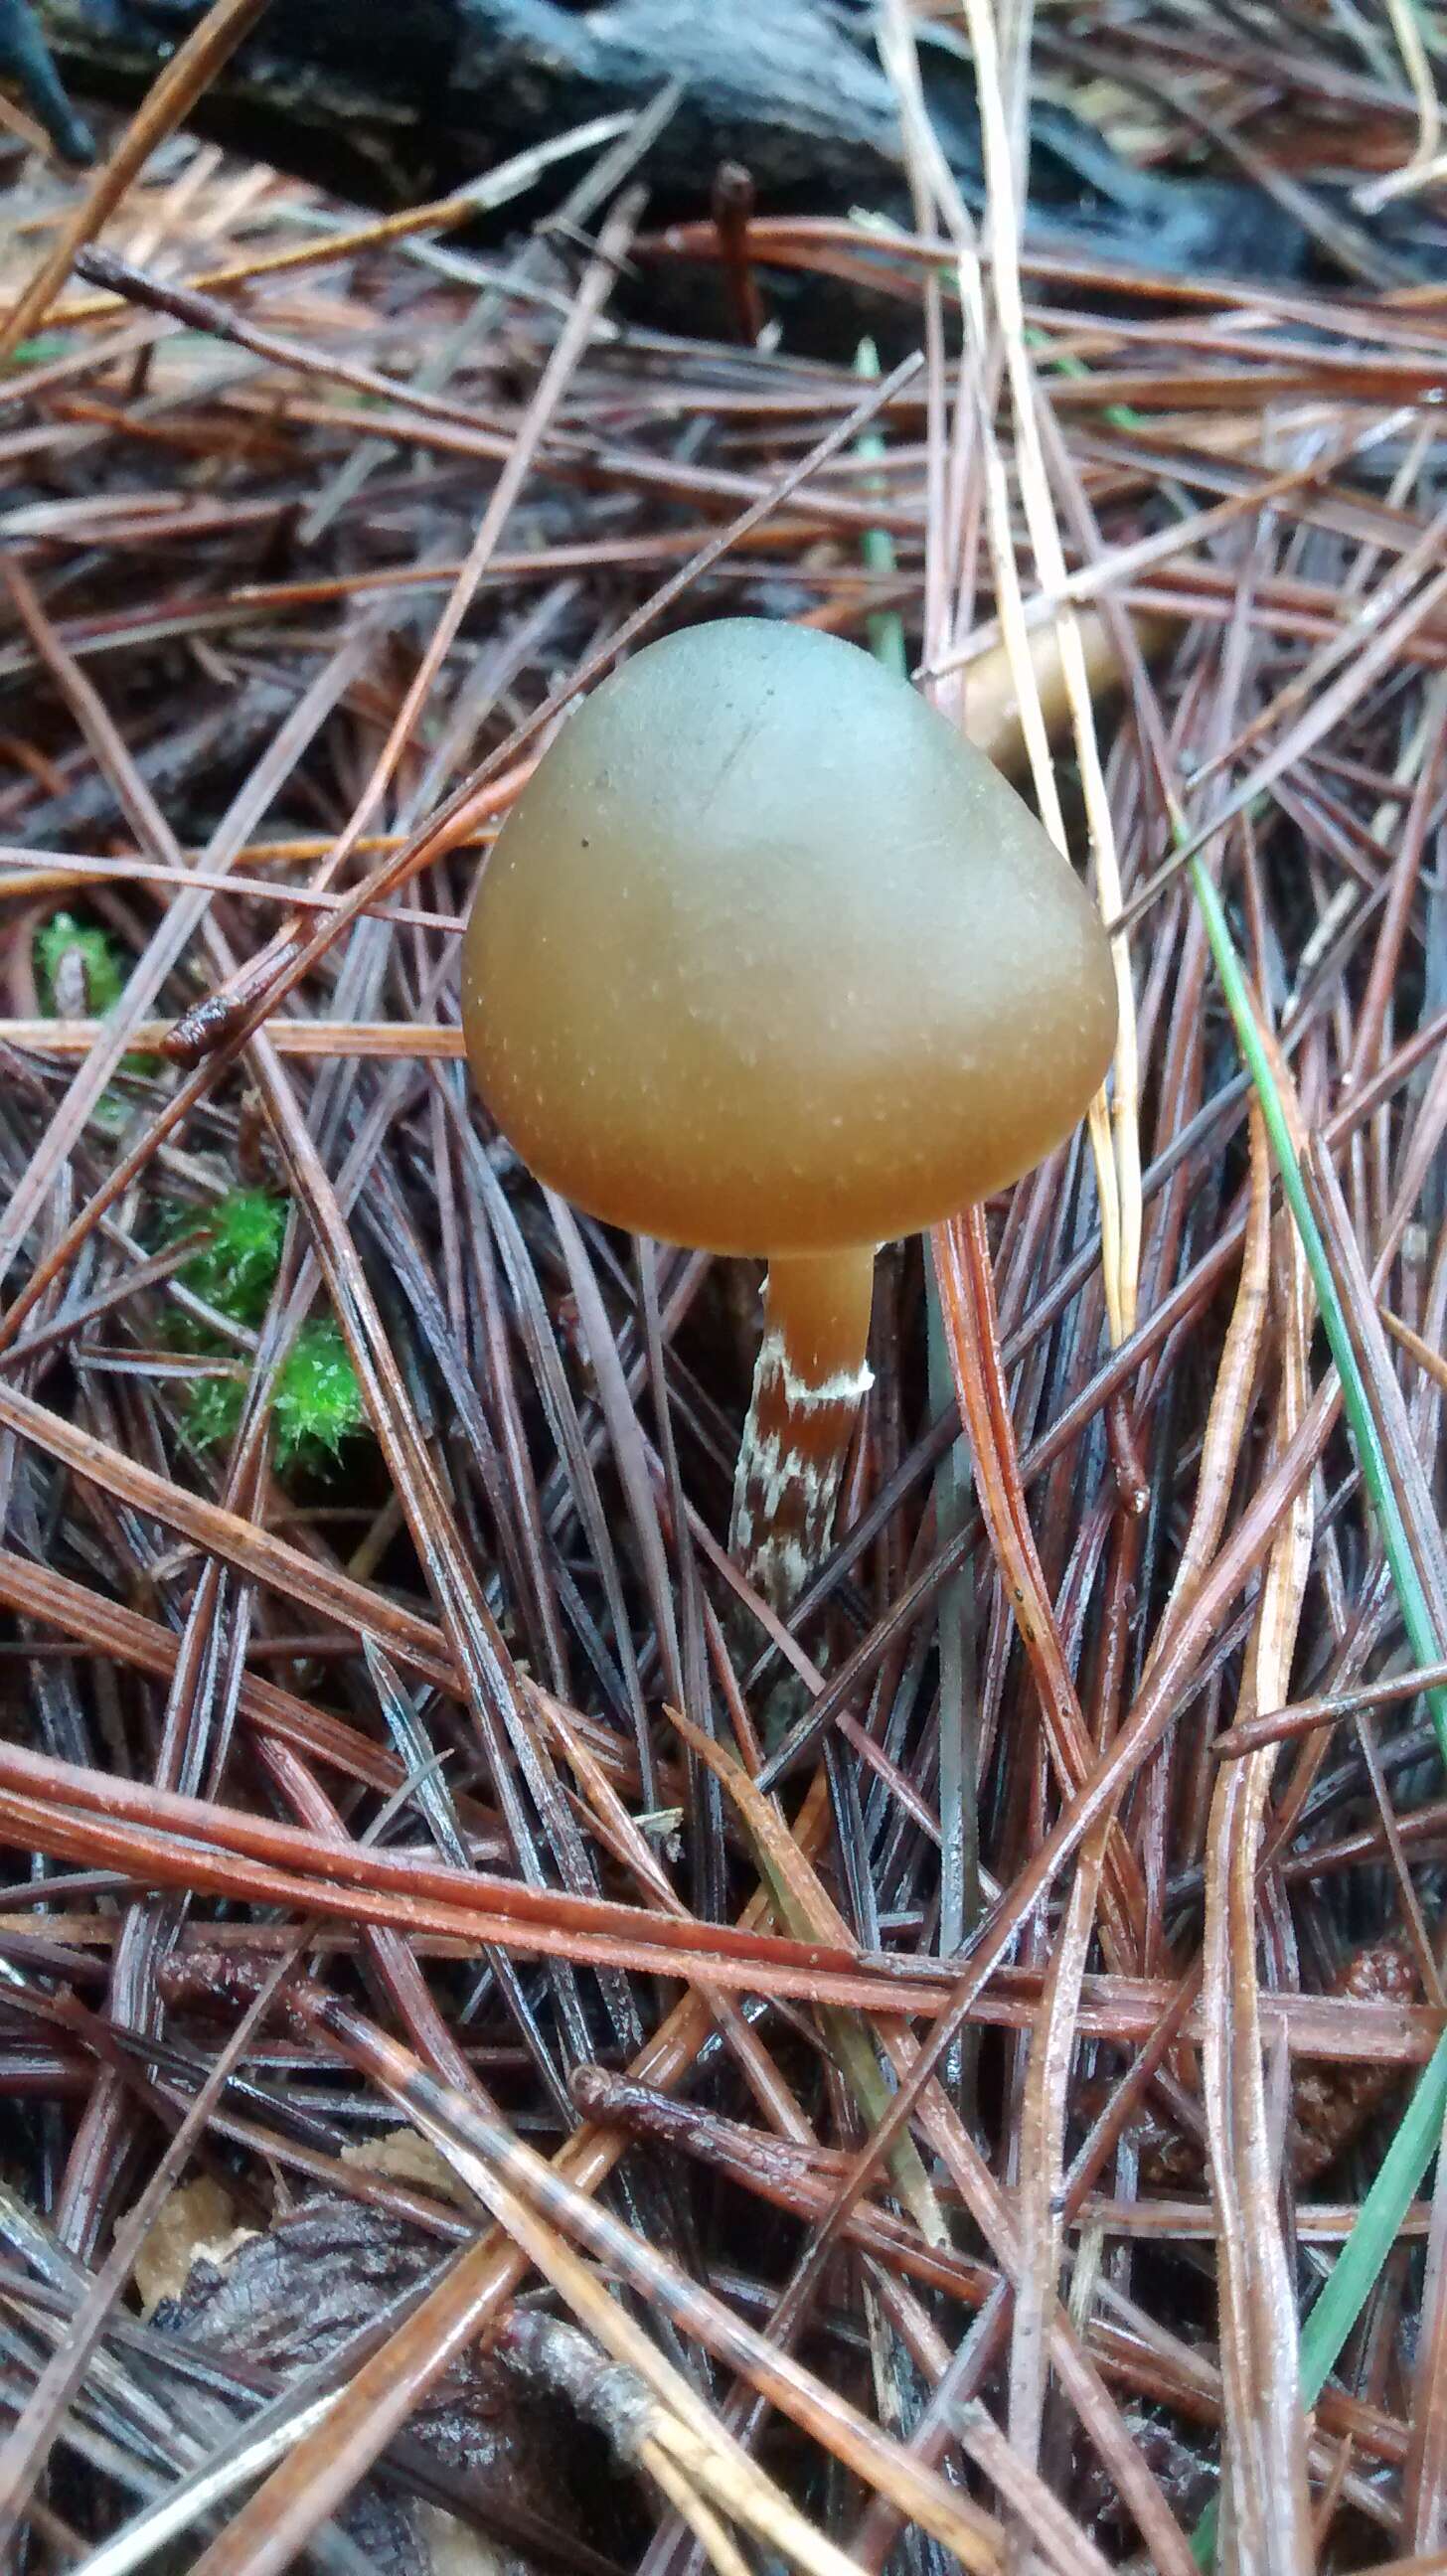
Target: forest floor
461 2091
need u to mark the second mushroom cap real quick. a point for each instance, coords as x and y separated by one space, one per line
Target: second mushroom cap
768 959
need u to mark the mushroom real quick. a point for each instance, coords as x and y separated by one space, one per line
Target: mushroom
768 960
992 701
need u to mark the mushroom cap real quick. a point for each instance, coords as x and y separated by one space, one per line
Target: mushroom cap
768 959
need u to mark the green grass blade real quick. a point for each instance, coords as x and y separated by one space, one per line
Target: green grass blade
1378 2225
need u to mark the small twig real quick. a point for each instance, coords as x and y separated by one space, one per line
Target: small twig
733 204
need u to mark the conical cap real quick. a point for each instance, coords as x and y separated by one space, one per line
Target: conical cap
768 959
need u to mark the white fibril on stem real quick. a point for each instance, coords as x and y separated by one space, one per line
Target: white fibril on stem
809 1382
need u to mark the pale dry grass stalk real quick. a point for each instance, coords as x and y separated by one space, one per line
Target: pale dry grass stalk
1266 2511
1420 170
1114 1122
432 1041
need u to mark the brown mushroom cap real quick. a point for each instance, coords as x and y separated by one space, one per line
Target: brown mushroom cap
767 959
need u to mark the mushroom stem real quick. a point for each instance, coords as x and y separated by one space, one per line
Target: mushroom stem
808 1383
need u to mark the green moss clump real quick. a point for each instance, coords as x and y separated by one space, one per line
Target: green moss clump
235 1269
317 1406
57 938
319 1403
105 969
316 1410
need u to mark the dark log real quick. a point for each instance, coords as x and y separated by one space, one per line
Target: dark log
24 60
390 101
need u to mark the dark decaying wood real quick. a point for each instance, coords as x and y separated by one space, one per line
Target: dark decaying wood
400 98
271 2307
